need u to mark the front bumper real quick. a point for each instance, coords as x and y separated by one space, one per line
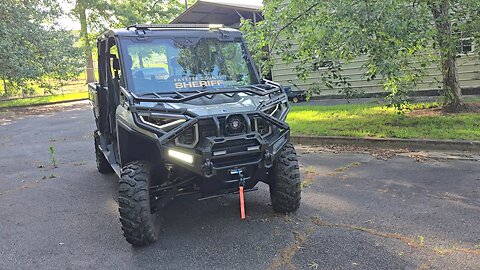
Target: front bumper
216 171
214 157
248 150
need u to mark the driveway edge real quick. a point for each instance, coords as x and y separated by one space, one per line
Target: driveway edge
389 143
42 104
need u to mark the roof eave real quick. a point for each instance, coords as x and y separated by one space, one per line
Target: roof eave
189 10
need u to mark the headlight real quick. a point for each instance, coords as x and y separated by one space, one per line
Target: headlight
188 138
262 126
278 111
164 122
271 110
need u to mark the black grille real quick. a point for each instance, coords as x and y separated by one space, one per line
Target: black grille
261 126
187 137
211 128
236 160
235 145
207 128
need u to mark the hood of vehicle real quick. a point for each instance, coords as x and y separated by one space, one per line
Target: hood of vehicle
215 104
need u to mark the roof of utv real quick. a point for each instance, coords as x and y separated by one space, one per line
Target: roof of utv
203 30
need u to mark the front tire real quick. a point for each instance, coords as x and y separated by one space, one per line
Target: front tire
285 188
139 222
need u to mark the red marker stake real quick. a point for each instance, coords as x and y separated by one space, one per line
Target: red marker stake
242 203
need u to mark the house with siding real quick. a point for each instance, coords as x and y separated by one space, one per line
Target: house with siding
230 13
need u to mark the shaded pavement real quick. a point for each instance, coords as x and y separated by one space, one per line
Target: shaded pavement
359 211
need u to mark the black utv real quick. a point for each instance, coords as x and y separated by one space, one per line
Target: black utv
180 109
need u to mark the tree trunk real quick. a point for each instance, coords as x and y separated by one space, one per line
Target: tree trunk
81 9
5 86
451 85
448 51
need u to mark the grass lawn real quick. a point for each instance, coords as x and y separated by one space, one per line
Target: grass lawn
373 120
43 100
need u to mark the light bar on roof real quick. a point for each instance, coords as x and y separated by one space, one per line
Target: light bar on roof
159 26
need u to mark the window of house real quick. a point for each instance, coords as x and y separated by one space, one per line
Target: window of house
465 46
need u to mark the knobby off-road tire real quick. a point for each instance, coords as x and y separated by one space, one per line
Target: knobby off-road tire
103 166
139 224
285 188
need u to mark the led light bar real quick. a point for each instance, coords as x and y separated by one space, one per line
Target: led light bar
176 122
180 156
159 26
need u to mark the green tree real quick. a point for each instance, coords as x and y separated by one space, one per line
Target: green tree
31 48
399 37
103 14
129 12
99 10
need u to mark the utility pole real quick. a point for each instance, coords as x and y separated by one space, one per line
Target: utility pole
186 4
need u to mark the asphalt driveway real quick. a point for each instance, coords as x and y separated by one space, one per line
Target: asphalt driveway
359 210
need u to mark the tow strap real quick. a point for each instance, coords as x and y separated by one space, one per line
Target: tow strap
242 203
241 183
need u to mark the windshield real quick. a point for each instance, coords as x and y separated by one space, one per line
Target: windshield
185 64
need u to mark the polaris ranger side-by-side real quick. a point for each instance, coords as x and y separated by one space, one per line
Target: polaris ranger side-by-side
181 109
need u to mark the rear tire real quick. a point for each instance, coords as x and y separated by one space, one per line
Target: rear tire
285 188
103 166
139 224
